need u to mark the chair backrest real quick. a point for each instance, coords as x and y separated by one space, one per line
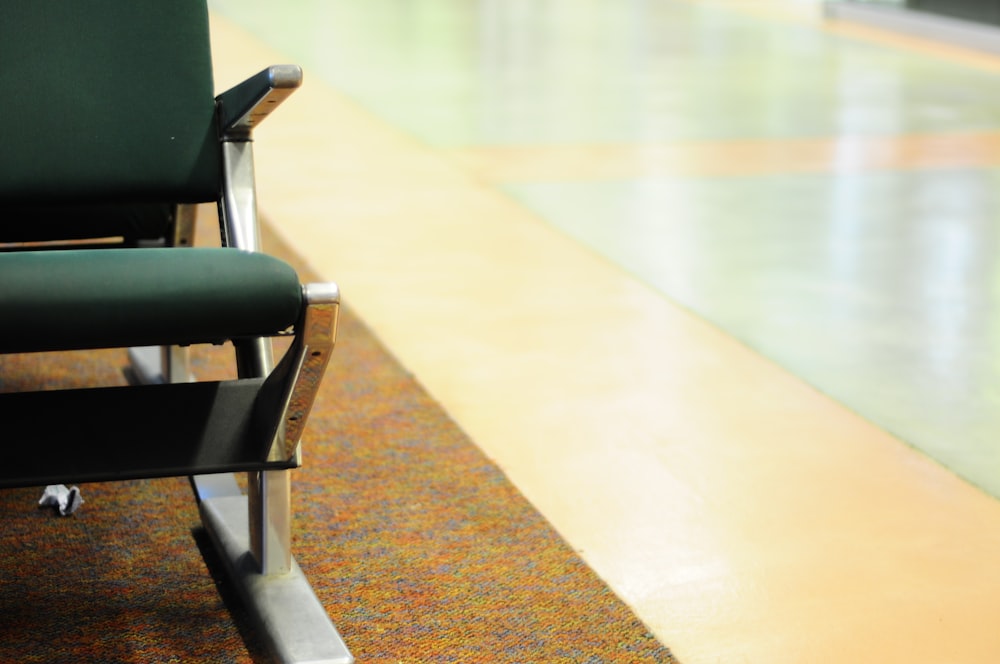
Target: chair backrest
107 100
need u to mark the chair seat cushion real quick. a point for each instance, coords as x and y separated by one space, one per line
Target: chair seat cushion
108 298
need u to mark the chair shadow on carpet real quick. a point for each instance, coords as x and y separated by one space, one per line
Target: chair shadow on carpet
126 579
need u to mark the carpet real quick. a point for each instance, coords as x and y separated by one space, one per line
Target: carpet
418 546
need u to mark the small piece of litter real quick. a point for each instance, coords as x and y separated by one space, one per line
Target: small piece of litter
66 499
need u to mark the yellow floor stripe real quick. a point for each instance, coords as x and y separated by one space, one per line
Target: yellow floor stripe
730 158
810 12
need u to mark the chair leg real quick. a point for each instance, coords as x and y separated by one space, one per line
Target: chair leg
152 365
176 362
252 535
268 492
295 623
270 520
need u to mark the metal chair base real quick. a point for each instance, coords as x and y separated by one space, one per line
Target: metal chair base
294 622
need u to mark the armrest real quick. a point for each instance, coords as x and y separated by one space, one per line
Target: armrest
290 390
243 107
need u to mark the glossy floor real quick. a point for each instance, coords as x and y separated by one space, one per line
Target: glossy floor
695 274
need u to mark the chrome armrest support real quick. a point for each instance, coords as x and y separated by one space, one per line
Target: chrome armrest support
243 107
240 109
301 369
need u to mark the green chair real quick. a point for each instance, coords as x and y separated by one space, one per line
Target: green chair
112 134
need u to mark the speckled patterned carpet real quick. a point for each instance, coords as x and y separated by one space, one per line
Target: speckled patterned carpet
418 546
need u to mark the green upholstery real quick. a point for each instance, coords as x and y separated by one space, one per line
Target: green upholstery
109 123
79 126
92 298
